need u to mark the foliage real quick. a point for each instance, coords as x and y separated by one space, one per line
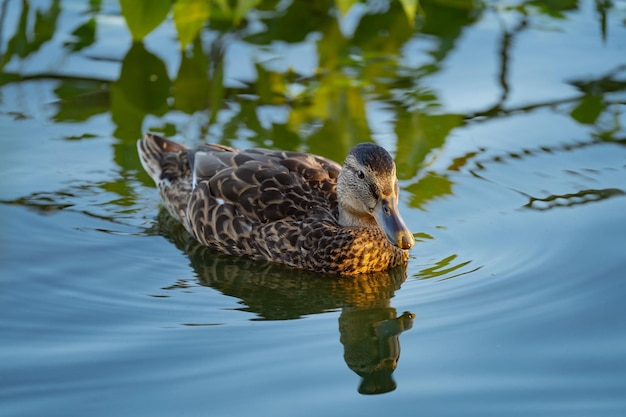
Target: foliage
143 16
189 17
325 112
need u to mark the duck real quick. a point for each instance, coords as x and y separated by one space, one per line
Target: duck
297 209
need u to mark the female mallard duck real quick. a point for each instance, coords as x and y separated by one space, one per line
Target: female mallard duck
297 209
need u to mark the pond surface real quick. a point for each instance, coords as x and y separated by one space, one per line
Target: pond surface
507 121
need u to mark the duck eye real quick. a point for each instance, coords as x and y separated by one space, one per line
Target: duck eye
360 174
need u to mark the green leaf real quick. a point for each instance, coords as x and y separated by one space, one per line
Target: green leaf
411 7
143 88
192 85
189 17
144 80
429 188
143 16
242 8
80 99
588 110
419 134
84 36
344 6
26 41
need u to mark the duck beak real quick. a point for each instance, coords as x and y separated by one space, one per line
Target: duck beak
389 219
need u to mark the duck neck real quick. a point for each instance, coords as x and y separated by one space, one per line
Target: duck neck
349 217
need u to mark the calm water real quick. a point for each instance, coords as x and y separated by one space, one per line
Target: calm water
507 121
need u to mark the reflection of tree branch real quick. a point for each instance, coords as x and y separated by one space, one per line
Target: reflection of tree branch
499 111
507 40
552 201
605 84
3 14
68 201
601 7
572 199
479 164
16 77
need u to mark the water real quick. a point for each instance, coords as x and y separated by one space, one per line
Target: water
508 132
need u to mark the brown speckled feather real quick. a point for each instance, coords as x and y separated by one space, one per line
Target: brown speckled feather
265 205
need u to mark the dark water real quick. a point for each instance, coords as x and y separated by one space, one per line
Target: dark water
507 123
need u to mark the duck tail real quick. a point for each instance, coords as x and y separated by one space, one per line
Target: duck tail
156 154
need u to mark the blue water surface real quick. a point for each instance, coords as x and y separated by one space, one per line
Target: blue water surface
508 130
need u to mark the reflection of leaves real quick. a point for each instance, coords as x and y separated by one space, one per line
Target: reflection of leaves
143 16
247 120
232 12
191 87
446 266
610 83
85 35
270 86
596 100
393 24
344 6
293 25
428 188
21 44
411 8
340 106
143 88
242 8
127 117
189 17
80 99
324 112
588 109
332 47
554 8
143 79
418 134
446 20
46 24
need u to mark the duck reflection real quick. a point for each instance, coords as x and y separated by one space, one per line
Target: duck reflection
371 347
369 327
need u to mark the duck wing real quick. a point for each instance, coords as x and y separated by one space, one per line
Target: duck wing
266 185
251 203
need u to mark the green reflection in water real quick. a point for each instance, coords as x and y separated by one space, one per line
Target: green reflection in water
353 71
26 41
142 89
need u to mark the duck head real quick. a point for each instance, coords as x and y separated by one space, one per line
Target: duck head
368 191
